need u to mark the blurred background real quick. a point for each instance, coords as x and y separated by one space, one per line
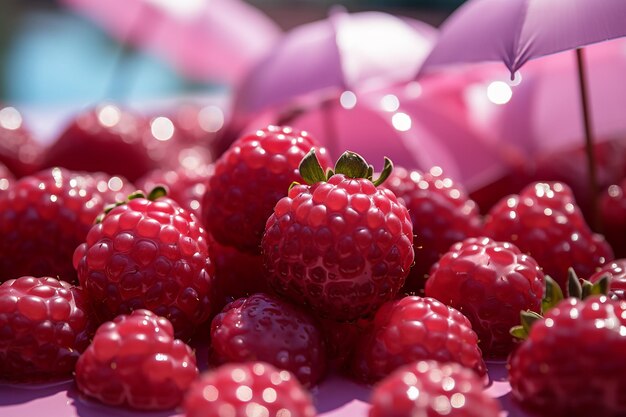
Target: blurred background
50 54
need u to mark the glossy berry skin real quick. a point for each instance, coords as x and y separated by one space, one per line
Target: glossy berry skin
341 247
432 389
616 271
490 283
268 329
44 326
44 217
545 222
412 329
441 214
572 362
135 361
250 177
613 210
106 139
152 255
185 186
19 151
248 389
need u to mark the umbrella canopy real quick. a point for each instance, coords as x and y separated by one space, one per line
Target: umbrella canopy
416 125
344 52
515 31
206 40
538 118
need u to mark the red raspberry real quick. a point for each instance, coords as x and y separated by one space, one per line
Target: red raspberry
341 339
432 389
441 213
19 151
250 177
545 222
613 209
572 363
135 361
44 217
490 283
185 186
341 246
248 389
264 328
152 255
616 271
237 274
412 329
44 326
6 178
105 139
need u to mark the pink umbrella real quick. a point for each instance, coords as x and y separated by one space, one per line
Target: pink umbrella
344 52
538 117
515 31
417 125
216 40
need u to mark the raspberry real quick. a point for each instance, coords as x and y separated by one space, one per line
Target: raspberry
185 186
490 283
250 177
572 362
545 222
148 254
19 151
44 217
6 178
613 209
105 139
248 389
263 328
430 388
135 361
341 246
441 214
44 326
412 329
237 274
616 271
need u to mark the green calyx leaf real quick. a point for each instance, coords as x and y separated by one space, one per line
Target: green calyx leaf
527 318
387 168
352 165
600 287
157 192
574 287
552 296
310 169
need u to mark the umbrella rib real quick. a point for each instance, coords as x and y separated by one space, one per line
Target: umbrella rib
521 50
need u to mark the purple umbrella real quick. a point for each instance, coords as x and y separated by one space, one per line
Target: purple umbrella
515 31
322 59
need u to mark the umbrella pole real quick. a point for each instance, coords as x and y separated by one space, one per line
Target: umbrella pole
589 149
329 127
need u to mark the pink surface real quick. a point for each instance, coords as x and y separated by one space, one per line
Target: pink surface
336 397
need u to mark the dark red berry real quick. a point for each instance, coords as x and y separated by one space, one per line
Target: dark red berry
135 361
441 214
613 211
572 363
44 326
490 283
265 328
106 139
413 329
152 255
19 151
545 222
250 177
432 389
44 217
248 389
